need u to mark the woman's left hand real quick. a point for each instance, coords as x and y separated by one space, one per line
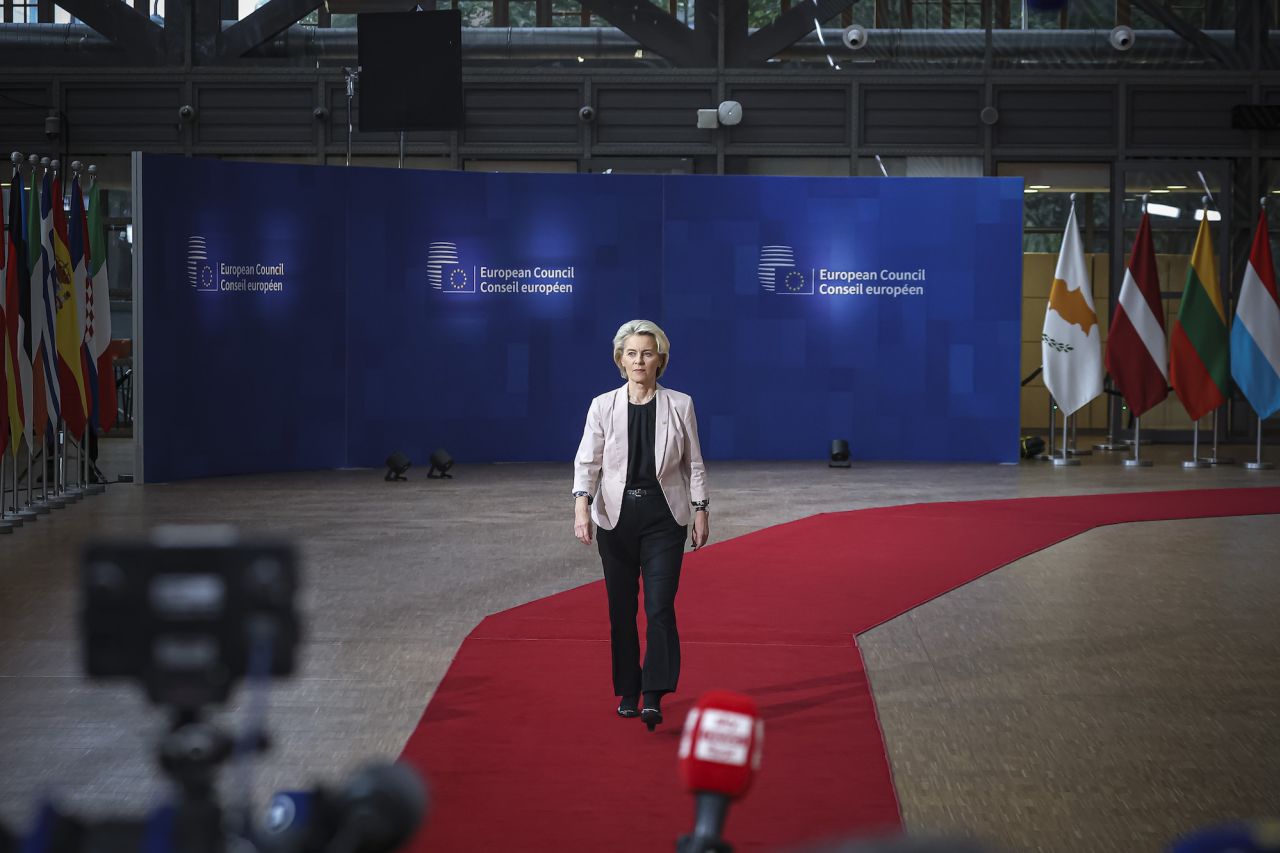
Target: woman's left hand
701 529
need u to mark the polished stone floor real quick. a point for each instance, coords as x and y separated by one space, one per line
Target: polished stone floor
1103 694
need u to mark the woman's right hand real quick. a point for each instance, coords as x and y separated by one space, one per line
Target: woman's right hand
582 521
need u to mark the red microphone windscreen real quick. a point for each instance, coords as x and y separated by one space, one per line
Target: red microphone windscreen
721 746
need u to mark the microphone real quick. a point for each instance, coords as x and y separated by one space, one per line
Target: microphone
720 751
380 808
375 812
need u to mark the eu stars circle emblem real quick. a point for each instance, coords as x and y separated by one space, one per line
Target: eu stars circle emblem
794 281
206 277
458 279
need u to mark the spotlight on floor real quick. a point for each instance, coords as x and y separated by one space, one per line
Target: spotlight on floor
839 454
440 462
397 464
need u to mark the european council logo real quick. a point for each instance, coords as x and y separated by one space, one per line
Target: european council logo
444 272
771 258
199 271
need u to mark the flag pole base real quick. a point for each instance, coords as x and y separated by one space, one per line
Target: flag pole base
1074 452
1128 442
1259 466
1195 463
1109 447
13 521
94 489
1063 463
1137 463
6 526
31 513
54 503
1217 460
1051 456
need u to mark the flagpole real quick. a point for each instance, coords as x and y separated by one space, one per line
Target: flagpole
92 421
69 492
1065 459
47 501
34 161
60 478
1258 464
14 517
23 513
1215 459
80 492
1195 461
1076 451
77 168
89 488
1112 409
1049 452
32 510
6 524
1137 461
56 500
352 75
9 522
28 511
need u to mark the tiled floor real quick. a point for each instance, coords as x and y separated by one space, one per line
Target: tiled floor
1102 694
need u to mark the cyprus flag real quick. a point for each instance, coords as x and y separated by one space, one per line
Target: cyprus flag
1072 343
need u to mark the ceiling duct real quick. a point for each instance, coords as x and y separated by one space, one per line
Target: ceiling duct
887 46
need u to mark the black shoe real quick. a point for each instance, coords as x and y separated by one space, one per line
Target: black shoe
627 707
651 717
651 714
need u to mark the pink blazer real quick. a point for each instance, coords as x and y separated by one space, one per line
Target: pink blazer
600 466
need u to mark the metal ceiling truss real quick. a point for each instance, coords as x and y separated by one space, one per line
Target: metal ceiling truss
1166 17
659 31
791 26
192 32
267 22
132 31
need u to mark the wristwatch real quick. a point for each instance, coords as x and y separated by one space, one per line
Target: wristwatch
700 506
582 494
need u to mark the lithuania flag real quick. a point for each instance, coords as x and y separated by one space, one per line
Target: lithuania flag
1198 369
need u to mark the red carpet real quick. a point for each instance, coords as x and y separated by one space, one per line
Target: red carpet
524 752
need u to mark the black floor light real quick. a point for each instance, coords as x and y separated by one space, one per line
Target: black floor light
397 464
440 462
839 454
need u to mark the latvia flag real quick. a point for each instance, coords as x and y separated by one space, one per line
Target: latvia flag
1137 355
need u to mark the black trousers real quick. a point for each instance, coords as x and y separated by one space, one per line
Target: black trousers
647 544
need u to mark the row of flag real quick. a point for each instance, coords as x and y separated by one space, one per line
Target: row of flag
55 314
1204 352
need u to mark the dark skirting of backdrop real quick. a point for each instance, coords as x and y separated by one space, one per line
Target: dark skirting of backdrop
301 317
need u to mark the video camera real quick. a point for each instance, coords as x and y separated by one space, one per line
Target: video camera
188 614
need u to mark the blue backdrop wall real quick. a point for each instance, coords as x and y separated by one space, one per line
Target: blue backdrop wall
313 317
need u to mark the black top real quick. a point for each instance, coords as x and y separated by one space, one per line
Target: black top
642 469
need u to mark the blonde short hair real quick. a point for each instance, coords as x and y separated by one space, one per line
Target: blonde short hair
641 327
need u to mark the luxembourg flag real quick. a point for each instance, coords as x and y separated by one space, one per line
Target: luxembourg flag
1255 335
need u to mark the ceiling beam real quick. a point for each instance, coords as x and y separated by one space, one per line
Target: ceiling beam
141 39
267 22
791 26
1168 19
654 29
